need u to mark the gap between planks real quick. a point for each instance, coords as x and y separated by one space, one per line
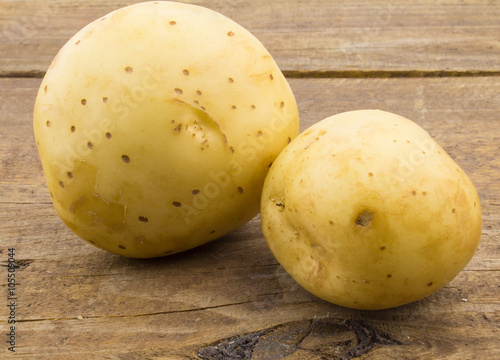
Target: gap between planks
328 74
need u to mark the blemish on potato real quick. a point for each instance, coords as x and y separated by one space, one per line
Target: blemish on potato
185 72
195 192
90 145
289 140
382 248
143 219
240 189
424 193
73 207
47 123
122 247
83 102
230 80
271 76
364 218
178 91
259 133
230 33
105 99
282 104
453 210
108 135
125 159
172 22
70 174
73 128
395 140
198 92
414 192
176 204
231 149
389 276
129 69
252 107
61 184
140 239
77 42
370 174
330 222
212 232
430 284
45 89
233 107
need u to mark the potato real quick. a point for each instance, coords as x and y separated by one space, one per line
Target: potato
365 210
156 126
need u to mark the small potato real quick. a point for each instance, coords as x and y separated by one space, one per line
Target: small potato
156 126
365 210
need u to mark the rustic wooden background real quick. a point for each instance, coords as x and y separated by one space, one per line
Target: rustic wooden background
435 62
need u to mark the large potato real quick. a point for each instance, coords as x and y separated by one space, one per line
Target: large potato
156 126
366 210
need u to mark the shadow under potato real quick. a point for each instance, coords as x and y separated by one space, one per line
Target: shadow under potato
244 246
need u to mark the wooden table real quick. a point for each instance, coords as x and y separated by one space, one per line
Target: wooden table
435 62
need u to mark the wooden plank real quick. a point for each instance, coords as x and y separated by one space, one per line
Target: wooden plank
459 112
179 304
306 37
77 301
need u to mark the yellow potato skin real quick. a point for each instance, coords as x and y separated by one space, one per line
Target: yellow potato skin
156 126
365 210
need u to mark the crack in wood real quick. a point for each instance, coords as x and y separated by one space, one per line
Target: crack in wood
237 348
367 338
324 338
135 315
18 263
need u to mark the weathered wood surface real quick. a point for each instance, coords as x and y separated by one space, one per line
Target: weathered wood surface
306 37
78 302
231 296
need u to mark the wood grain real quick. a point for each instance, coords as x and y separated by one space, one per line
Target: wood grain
78 302
306 37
